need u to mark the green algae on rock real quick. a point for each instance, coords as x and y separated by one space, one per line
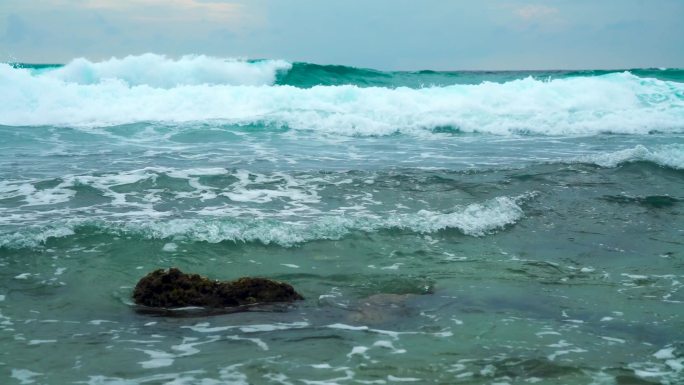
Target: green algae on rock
173 289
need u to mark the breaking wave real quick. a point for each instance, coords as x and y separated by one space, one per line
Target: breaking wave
158 71
152 88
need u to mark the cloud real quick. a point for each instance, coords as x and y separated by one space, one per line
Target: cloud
170 10
535 12
16 29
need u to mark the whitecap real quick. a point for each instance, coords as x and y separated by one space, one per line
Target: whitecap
160 71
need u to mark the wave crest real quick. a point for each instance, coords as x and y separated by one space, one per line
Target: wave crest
162 72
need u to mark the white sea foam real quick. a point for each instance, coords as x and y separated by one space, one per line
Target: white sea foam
25 376
273 327
33 196
388 345
665 353
557 353
298 191
158 359
259 342
227 375
346 327
99 322
259 328
476 219
85 94
613 339
668 368
170 247
358 351
187 347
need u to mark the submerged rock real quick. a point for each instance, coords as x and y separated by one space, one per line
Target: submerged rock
172 289
381 308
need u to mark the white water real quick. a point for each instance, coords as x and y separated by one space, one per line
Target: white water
161 72
151 88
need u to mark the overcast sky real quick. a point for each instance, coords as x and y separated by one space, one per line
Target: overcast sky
383 34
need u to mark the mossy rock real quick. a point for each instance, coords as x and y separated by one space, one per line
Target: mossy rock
173 289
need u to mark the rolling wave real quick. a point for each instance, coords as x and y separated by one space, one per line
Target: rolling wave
165 72
151 88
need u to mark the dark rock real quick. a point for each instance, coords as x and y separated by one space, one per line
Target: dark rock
172 289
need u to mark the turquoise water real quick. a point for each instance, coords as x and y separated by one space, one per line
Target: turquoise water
306 75
444 227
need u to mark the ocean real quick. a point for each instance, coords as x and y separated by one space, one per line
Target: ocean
521 227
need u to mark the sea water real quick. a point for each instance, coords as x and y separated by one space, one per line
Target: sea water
444 227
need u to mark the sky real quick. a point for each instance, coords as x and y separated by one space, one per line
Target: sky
381 34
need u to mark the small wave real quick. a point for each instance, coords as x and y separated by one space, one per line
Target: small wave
477 220
671 156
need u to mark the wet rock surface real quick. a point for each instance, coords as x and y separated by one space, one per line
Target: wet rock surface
173 289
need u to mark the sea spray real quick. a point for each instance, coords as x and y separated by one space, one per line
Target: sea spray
158 71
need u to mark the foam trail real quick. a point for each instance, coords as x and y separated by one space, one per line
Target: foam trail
616 103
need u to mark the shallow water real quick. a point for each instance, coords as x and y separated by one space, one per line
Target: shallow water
544 247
